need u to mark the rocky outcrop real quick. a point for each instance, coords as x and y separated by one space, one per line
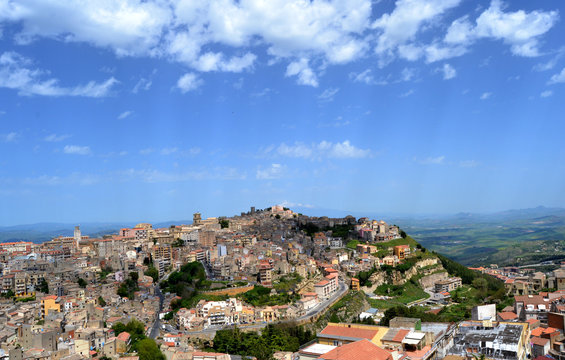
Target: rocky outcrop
400 278
429 280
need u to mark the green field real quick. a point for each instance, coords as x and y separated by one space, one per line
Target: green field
515 242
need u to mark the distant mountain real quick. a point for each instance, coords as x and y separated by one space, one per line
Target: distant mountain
41 232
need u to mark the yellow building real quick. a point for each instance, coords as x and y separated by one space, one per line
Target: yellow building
355 284
49 304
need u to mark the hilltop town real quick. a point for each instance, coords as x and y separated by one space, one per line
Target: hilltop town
268 283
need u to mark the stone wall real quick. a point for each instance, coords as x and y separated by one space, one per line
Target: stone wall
230 291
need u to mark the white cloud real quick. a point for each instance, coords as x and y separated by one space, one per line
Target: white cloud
146 151
328 94
404 22
485 95
439 160
125 114
298 33
215 62
407 74
364 77
519 29
550 64
407 93
290 204
56 138
129 27
438 52
9 137
468 163
77 150
298 150
558 78
275 171
189 82
16 74
169 151
448 72
324 149
546 93
142 84
304 73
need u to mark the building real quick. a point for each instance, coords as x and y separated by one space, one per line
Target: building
362 349
49 304
401 251
340 334
496 340
447 285
355 284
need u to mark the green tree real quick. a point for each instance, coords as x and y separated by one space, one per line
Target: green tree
153 272
43 286
224 223
147 349
101 301
81 282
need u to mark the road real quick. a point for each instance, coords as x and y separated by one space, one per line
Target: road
322 306
154 332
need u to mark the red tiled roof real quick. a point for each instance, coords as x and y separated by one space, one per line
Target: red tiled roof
400 335
362 349
538 341
124 336
507 315
350 332
537 332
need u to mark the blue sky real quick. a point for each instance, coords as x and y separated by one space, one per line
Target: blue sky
131 110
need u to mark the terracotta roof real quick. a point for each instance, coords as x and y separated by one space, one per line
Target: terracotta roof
400 335
124 336
538 341
507 315
362 349
537 332
349 332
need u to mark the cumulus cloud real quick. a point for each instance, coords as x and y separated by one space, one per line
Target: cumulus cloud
558 78
275 171
77 150
17 73
546 93
323 149
519 29
302 70
404 22
129 27
189 82
226 35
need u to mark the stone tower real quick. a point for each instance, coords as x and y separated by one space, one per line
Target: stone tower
196 219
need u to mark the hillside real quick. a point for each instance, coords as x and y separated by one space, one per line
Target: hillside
517 237
396 289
